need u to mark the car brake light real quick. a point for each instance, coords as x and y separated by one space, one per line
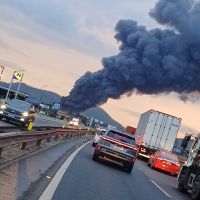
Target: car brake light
98 148
143 150
119 143
133 159
185 162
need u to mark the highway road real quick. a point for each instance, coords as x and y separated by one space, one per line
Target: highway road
86 179
39 121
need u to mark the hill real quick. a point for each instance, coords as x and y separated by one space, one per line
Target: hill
39 95
102 115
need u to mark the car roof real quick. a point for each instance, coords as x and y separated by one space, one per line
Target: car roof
166 151
104 130
121 132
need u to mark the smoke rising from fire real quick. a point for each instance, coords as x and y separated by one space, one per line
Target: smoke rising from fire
149 61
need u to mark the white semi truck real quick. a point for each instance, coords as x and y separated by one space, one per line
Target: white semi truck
189 176
156 130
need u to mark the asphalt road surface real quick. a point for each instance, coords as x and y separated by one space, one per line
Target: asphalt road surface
39 121
16 179
86 179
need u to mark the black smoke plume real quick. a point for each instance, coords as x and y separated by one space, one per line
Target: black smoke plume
150 61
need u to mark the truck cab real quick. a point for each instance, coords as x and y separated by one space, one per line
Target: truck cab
189 175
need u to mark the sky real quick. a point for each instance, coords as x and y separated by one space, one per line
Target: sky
57 41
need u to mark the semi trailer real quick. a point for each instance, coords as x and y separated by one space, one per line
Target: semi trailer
156 130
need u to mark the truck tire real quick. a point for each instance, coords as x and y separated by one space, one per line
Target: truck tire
181 186
196 188
128 167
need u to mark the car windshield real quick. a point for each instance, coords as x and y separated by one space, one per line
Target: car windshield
121 137
169 156
101 133
21 104
75 120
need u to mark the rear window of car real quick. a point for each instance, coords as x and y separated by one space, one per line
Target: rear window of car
169 156
101 133
121 137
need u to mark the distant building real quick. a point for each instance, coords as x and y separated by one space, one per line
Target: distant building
4 90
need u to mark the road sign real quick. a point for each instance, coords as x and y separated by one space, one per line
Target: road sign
18 75
56 106
2 69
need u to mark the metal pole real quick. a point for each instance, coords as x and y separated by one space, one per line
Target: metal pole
19 86
10 86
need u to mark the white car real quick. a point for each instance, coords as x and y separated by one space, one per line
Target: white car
98 136
74 122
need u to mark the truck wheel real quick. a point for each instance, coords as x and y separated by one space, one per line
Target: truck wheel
196 188
181 186
128 168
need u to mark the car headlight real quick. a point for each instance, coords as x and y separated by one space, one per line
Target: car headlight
25 114
3 106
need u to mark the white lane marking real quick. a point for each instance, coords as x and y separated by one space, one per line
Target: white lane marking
51 188
162 190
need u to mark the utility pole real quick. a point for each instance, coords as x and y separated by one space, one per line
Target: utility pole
20 83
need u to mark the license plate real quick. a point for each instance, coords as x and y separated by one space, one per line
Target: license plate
11 115
118 147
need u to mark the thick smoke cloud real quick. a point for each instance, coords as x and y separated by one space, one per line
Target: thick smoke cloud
150 61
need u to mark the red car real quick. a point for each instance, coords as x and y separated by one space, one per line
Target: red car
165 161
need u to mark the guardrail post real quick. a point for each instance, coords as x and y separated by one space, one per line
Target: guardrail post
66 136
39 141
49 139
61 137
1 150
23 145
56 138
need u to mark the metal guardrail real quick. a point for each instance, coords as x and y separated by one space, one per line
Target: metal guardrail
23 138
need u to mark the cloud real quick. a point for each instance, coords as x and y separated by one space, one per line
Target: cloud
131 112
84 26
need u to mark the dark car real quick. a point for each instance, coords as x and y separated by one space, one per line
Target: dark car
117 147
18 111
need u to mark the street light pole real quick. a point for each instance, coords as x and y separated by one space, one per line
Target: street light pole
20 83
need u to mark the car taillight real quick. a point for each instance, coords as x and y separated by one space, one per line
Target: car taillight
185 162
143 150
98 148
177 164
133 159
